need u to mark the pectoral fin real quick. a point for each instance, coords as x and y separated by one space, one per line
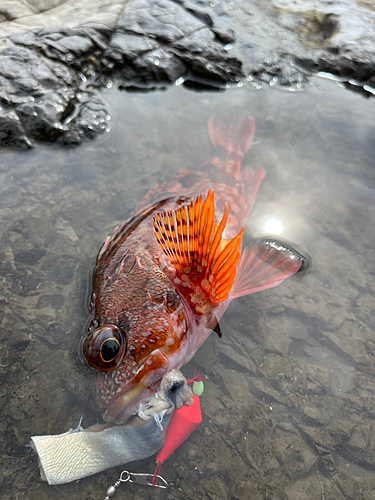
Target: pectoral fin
264 264
205 262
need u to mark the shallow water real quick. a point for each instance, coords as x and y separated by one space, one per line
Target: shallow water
288 407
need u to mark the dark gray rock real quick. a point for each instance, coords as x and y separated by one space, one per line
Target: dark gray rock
163 41
90 120
67 45
159 65
12 132
39 95
43 117
163 20
25 76
130 45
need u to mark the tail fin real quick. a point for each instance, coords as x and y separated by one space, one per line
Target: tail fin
264 264
233 134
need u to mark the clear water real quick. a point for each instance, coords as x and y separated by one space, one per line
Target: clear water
288 407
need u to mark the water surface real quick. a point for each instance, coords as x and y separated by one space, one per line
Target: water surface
288 407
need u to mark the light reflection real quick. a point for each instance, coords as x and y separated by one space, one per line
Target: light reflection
273 226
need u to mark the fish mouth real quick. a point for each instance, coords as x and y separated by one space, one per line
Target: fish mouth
152 370
125 404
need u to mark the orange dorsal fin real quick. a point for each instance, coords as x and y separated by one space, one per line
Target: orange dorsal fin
205 262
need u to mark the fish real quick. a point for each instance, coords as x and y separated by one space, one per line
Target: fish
164 278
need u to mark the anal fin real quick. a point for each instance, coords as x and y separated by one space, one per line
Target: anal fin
264 263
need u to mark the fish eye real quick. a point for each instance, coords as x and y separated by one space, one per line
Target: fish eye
109 350
104 348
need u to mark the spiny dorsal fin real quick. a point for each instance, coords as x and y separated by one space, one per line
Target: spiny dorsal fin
193 242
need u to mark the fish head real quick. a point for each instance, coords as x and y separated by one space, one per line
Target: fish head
139 324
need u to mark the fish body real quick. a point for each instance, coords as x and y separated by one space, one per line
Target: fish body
165 277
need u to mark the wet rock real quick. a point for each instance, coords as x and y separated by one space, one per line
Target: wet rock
164 41
43 118
70 46
12 132
126 45
90 120
158 65
25 76
38 94
162 20
342 33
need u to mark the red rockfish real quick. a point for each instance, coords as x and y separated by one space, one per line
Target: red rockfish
164 278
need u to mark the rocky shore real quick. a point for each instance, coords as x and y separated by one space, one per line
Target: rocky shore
56 54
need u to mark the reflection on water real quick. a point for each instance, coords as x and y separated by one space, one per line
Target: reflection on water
288 409
273 226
